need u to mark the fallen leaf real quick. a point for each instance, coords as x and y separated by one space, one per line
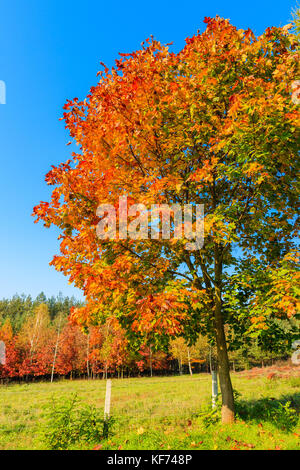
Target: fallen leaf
98 447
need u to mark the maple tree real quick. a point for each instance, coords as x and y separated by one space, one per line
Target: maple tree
71 356
213 124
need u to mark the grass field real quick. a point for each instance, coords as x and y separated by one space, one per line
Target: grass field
160 413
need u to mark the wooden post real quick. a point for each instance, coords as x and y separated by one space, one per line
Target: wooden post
107 409
214 388
107 399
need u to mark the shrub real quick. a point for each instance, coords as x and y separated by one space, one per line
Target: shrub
282 414
71 422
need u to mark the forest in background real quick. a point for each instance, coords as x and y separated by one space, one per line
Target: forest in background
42 342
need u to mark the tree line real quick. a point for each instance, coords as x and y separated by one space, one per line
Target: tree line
41 342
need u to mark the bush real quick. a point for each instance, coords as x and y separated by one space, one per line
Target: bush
282 414
71 422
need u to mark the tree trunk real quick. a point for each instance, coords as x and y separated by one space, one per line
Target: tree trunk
87 355
150 358
223 361
56 348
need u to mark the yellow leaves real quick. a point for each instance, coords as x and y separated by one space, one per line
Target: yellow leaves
140 431
287 27
194 444
218 229
240 33
221 144
192 109
253 168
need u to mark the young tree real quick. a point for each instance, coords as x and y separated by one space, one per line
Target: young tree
56 345
179 351
151 359
213 124
35 341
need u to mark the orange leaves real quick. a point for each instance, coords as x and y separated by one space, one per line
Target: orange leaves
254 171
211 124
205 173
162 313
258 323
234 104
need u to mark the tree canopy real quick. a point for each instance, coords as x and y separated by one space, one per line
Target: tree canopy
213 124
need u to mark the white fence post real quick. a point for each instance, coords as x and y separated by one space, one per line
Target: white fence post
107 399
214 388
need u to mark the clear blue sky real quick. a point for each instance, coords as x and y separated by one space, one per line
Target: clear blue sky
50 51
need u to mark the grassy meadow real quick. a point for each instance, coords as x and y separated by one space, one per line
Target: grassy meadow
158 413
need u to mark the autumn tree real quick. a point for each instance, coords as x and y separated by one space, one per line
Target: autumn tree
179 351
12 357
150 359
6 331
35 342
71 353
213 124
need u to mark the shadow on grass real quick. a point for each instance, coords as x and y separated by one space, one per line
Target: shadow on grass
283 412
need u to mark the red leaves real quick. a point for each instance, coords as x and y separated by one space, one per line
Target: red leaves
162 313
238 444
31 351
198 444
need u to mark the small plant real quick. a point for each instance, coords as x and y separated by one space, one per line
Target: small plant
210 415
72 422
282 414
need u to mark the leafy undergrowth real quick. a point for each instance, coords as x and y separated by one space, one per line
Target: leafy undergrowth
239 436
277 371
265 424
150 413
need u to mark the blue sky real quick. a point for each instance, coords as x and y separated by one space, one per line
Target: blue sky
50 51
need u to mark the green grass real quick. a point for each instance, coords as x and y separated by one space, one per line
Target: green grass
159 413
